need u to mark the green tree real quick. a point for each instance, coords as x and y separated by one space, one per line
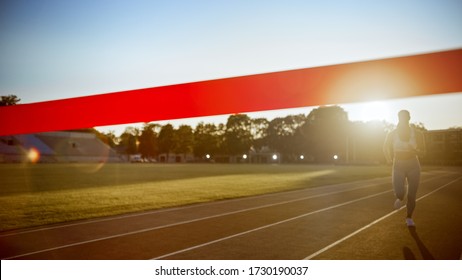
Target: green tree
129 141
238 136
220 134
259 131
149 147
326 132
184 140
206 140
166 139
283 135
8 100
109 138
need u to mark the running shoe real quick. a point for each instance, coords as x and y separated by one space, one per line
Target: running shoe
410 222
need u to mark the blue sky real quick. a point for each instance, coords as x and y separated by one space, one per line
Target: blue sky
59 49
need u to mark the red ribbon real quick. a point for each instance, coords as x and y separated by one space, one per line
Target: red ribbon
424 74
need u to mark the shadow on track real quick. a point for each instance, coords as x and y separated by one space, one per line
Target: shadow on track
409 255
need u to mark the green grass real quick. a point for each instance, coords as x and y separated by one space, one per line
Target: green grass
33 195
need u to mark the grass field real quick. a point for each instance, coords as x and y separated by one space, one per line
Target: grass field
33 195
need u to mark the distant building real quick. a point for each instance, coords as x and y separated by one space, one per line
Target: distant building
175 158
264 155
444 147
63 146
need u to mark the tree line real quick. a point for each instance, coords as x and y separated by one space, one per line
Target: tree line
323 135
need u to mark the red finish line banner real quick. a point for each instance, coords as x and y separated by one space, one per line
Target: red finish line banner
424 74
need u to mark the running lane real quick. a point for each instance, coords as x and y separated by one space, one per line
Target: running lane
290 225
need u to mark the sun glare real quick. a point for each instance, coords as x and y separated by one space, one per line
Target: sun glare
374 111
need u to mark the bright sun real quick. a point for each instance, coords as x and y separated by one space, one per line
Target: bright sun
374 111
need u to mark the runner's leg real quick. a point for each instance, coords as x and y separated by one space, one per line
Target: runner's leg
398 179
413 181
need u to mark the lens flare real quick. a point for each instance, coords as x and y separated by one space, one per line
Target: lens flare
33 155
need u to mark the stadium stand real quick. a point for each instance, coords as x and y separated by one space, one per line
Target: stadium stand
63 146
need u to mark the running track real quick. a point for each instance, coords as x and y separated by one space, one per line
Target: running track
345 221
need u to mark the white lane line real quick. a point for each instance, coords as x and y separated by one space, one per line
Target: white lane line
185 222
269 225
373 223
179 208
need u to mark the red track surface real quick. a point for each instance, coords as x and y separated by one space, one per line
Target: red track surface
346 221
